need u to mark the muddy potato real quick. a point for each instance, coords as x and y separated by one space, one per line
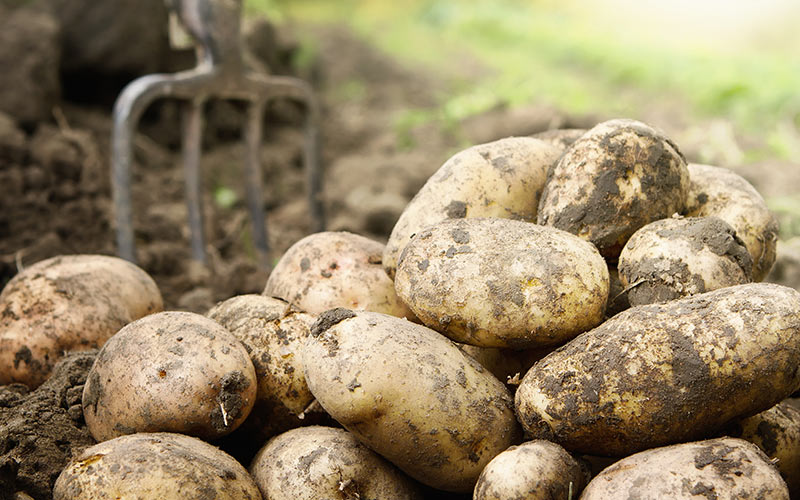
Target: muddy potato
67 303
335 269
503 179
534 470
171 372
664 373
503 283
561 138
322 462
409 394
777 432
719 192
619 176
154 465
273 332
721 469
679 257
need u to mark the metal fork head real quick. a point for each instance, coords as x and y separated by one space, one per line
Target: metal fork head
220 73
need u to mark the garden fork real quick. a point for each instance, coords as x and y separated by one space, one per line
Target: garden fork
220 73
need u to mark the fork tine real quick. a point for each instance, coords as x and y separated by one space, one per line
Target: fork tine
191 141
253 181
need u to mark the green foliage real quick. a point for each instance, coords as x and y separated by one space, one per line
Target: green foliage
787 210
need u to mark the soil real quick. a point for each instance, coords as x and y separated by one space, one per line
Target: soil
54 173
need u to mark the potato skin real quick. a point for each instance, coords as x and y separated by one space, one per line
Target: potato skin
777 432
664 373
617 177
335 269
169 372
409 394
322 462
678 257
719 192
154 465
503 283
534 470
503 179
273 332
724 468
67 303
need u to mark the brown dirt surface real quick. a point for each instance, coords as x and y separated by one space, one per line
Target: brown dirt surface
42 430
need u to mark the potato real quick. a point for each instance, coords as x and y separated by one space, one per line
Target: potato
335 269
322 462
678 257
664 373
409 394
503 283
171 372
720 469
777 432
722 193
273 332
562 138
67 303
499 179
154 465
533 470
619 176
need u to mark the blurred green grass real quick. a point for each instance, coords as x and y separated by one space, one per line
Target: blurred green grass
559 53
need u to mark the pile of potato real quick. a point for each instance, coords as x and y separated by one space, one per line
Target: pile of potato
571 315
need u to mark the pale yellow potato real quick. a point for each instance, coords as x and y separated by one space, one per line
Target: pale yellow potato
617 177
316 462
777 432
169 372
725 194
665 373
503 179
534 470
160 465
678 257
335 269
503 283
273 332
67 303
411 395
722 469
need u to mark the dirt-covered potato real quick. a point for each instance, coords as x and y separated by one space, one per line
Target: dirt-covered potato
273 332
678 257
411 395
619 176
722 193
335 269
562 138
534 470
154 465
67 303
171 372
664 373
316 462
777 432
503 179
722 469
503 283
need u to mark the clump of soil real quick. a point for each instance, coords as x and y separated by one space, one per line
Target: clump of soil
41 431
